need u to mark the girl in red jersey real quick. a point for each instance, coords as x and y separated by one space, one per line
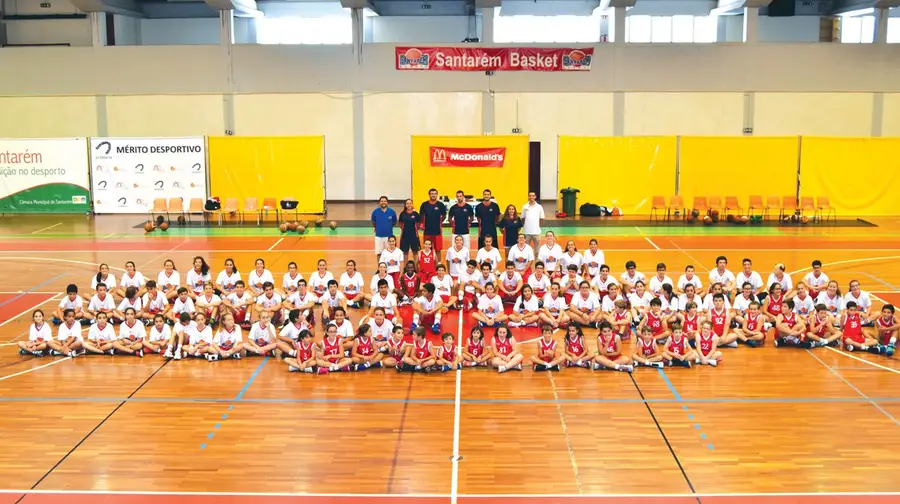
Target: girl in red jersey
655 319
771 307
576 351
886 327
707 350
647 352
330 353
721 322
475 353
396 348
789 329
409 284
447 355
822 331
690 320
506 354
364 354
609 350
678 351
548 358
419 356
427 261
305 361
620 319
853 336
753 328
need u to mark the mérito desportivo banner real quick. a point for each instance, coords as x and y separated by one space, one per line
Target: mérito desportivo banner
482 59
44 175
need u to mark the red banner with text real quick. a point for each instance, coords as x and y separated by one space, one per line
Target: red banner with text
468 157
481 59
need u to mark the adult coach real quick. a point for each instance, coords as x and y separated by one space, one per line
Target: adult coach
488 215
432 213
533 218
383 220
461 215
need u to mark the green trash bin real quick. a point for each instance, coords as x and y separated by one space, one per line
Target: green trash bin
569 197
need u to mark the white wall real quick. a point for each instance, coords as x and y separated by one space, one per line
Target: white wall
197 31
76 32
422 29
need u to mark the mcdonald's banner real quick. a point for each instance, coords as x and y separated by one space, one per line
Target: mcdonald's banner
471 164
269 167
44 175
127 174
482 59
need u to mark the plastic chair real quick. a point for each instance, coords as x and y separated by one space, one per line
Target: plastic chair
195 206
251 205
159 208
807 205
676 204
772 202
715 202
755 203
732 205
700 204
231 208
789 206
824 208
270 204
176 206
659 203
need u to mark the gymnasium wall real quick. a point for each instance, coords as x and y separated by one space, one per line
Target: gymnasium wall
367 111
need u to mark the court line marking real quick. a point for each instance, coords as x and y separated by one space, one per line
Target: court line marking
855 389
275 244
164 254
632 250
48 227
53 259
882 282
457 406
684 407
845 354
697 264
647 238
400 428
438 496
565 431
237 398
31 290
35 307
7 377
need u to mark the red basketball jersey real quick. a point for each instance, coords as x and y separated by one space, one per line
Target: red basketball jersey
775 305
705 344
754 323
575 347
409 284
679 347
333 349
474 348
547 348
422 351
304 353
648 349
503 347
448 353
853 327
427 264
718 321
655 323
690 324
364 346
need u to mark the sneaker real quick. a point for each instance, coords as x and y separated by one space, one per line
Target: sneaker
686 364
554 367
293 369
436 329
751 344
412 327
713 362
168 353
139 353
324 370
657 365
733 344
629 368
37 353
850 348
22 352
518 367
212 357
445 368
236 356
177 355
344 369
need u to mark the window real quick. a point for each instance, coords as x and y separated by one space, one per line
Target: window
547 29
305 30
682 28
893 34
638 29
663 29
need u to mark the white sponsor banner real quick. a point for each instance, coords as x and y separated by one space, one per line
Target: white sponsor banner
43 175
127 174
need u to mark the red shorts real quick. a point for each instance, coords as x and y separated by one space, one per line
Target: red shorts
509 298
333 358
240 315
526 275
855 338
426 320
396 277
437 242
469 297
226 348
350 295
262 342
445 299
568 297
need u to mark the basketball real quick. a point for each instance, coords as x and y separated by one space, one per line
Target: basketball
164 226
301 229
160 219
293 226
731 218
332 225
804 220
148 227
283 228
707 220
181 219
616 212
319 222
695 214
744 219
305 223
714 215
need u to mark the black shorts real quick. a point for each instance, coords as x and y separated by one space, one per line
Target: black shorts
411 243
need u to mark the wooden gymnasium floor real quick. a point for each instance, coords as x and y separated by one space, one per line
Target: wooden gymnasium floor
768 425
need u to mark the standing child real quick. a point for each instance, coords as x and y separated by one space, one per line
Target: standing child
707 353
131 335
364 354
609 351
548 357
475 353
305 361
229 342
648 353
101 337
447 355
506 354
678 352
39 334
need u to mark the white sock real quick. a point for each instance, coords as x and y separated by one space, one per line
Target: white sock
415 319
437 318
893 340
501 369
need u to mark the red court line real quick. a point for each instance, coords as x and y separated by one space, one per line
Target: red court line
889 297
16 304
216 499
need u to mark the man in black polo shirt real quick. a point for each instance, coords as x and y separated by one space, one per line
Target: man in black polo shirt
488 214
432 213
461 215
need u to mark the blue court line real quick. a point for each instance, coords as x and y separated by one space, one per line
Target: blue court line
679 399
882 282
237 398
31 289
861 394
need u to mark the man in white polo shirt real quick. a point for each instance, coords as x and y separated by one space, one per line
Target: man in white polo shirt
533 217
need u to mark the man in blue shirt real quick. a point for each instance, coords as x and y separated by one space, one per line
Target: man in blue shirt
461 215
383 220
488 214
432 213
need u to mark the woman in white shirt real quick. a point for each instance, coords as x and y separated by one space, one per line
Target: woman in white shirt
291 280
197 277
101 337
68 337
522 256
351 284
780 277
571 257
131 278
103 276
457 258
227 278
392 257
131 335
169 280
258 277
550 253
229 343
489 254
659 280
381 275
593 259
38 335
318 280
689 278
158 339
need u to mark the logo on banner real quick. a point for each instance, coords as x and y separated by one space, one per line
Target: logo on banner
492 157
123 202
196 168
412 59
139 168
576 60
101 185
176 185
159 185
106 147
120 185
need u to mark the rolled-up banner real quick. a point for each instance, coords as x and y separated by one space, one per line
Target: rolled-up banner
482 59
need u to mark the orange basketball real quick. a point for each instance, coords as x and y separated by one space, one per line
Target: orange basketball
164 226
283 228
292 226
301 229
148 227
333 225
744 219
616 212
707 219
804 220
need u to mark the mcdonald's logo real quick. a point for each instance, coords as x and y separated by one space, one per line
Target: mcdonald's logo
438 156
468 157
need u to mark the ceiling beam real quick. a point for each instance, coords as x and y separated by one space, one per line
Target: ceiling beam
122 7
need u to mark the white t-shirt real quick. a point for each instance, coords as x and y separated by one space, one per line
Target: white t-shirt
492 257
289 283
393 259
137 281
684 281
565 260
268 302
44 333
108 333
373 285
524 306
389 303
804 306
200 335
521 257
510 283
786 283
178 328
555 305
465 278
196 280
292 330
352 284
490 306
383 331
259 333
816 283
484 280
106 304
863 302
134 332
697 300
204 301
69 304
318 284
109 281
128 303
157 336
539 284
332 301
708 303
609 303
591 304
603 285
640 302
457 260
426 304
655 285
742 304
834 304
166 283
594 260
722 278
236 300
227 338
754 279
550 257
442 286
227 281
66 331
345 330
670 305
532 215
156 305
632 279
256 280
186 306
570 285
296 300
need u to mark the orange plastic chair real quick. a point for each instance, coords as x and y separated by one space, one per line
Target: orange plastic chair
195 206
789 206
676 206
772 203
715 202
700 204
659 203
159 208
755 203
823 206
176 206
807 204
251 205
269 205
732 205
